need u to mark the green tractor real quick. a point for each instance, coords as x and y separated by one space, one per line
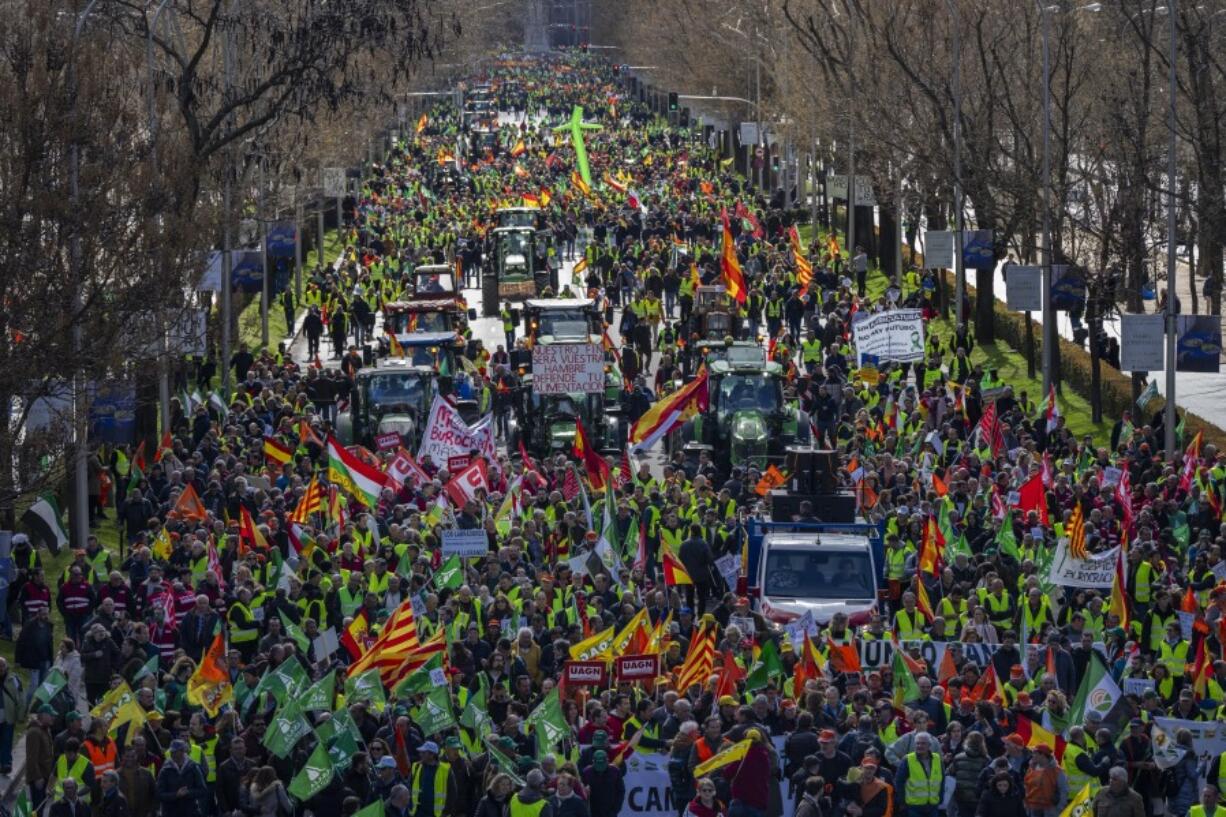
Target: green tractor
747 422
520 268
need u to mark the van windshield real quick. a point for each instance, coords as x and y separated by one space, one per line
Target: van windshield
813 574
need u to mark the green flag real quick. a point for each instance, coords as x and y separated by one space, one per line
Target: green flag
1179 529
295 632
22 807
905 688
375 809
502 761
51 686
548 721
767 666
423 679
450 576
150 667
475 716
367 686
434 715
1006 542
135 477
315 775
320 694
341 749
1098 692
286 680
286 729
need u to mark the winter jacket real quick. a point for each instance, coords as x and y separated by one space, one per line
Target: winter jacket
1109 804
994 804
965 771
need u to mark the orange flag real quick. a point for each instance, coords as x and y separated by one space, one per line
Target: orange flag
212 665
844 657
938 485
189 506
1189 603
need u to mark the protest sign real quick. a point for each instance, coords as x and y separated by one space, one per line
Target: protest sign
463 486
637 667
465 543
572 368
897 335
326 643
649 792
730 568
1069 571
403 469
447 435
585 673
387 442
1137 686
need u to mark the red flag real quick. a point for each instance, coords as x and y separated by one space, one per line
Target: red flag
844 657
989 429
166 446
529 465
570 485
939 485
1032 497
593 464
624 475
1189 603
463 486
730 672
189 506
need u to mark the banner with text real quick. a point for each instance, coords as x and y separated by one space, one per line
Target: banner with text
573 368
896 335
1069 571
447 435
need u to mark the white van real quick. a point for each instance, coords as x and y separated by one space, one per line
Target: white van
825 573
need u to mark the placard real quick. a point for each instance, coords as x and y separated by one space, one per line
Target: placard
465 543
458 463
569 368
637 667
387 442
1142 343
1095 572
1024 289
745 624
585 673
447 435
897 335
938 249
326 643
730 568
1137 686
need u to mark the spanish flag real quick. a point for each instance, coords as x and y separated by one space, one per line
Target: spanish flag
519 149
530 200
353 637
421 123
1036 735
1119 587
578 182
734 281
248 534
670 412
580 266
674 571
276 454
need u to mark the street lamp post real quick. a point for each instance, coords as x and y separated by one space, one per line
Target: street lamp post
1049 324
80 454
959 204
1168 423
163 339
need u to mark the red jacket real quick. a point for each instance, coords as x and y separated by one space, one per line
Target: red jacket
749 780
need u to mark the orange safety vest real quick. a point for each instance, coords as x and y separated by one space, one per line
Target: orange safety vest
704 750
1041 788
103 760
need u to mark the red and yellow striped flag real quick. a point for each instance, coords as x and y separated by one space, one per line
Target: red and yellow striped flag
312 502
399 637
699 661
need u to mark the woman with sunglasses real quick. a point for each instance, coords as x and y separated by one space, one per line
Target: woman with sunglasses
705 803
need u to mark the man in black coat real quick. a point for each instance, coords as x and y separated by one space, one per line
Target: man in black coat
230 778
699 562
313 327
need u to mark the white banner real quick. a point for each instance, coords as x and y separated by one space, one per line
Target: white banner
572 368
447 435
465 543
1142 343
1208 737
649 794
1068 571
896 335
1024 289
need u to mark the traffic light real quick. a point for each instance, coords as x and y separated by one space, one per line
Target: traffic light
672 102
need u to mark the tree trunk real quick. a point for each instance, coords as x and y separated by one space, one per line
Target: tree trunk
889 238
1094 323
985 323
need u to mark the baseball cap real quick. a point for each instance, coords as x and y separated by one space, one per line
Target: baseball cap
1016 740
727 700
386 762
827 734
181 746
429 746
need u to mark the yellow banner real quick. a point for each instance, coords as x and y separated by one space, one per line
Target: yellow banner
722 758
593 647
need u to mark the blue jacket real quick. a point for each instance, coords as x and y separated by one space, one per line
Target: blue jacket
171 779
